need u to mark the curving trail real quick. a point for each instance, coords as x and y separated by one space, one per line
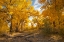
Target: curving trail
33 36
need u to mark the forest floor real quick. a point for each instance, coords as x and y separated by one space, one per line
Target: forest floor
31 36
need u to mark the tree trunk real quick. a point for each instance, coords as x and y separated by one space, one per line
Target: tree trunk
11 24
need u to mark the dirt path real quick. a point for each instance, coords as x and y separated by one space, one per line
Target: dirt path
31 37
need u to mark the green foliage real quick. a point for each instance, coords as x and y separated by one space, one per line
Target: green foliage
48 30
61 31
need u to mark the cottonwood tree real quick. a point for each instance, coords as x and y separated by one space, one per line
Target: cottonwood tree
16 11
53 10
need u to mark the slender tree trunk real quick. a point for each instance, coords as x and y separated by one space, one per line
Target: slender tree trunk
11 24
17 27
